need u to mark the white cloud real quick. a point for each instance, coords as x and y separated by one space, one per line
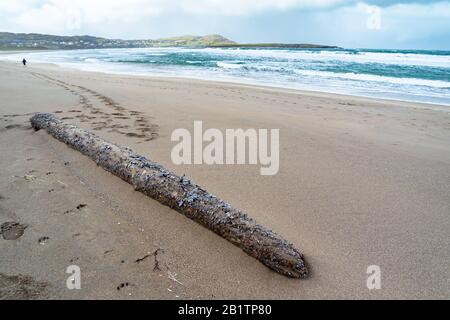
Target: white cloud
60 15
352 23
408 22
437 9
17 6
241 7
413 25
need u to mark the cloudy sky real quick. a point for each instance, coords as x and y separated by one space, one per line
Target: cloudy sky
420 24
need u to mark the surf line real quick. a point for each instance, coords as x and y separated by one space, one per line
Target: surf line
180 194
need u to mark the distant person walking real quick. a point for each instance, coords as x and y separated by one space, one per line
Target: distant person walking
24 61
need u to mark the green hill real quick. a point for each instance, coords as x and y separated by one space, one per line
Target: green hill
35 41
18 41
195 41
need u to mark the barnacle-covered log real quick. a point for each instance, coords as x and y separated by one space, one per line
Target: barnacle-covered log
181 195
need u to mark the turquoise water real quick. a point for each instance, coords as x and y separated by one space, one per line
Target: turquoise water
410 75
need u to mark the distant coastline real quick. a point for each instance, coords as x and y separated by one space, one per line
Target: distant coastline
34 41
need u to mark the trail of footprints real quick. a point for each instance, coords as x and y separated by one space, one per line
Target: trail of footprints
114 118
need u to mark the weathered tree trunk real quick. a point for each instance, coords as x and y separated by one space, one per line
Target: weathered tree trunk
181 195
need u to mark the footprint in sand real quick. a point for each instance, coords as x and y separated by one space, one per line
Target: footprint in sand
15 126
43 240
88 99
135 135
123 286
81 206
20 287
12 230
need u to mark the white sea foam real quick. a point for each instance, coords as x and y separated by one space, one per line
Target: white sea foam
376 78
226 65
404 76
325 55
91 60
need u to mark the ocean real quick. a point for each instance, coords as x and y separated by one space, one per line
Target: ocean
407 75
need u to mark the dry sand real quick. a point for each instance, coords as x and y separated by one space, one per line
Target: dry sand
361 182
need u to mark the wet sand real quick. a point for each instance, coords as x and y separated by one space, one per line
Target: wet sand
361 182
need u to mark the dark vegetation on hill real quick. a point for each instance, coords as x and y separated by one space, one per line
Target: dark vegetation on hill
34 41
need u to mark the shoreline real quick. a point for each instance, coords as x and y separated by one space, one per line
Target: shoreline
231 81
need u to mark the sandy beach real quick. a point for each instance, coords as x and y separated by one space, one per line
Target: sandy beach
361 182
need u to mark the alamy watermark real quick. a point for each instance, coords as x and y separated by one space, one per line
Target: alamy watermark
373 22
234 146
374 278
74 280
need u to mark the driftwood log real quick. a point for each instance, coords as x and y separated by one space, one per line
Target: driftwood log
181 195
